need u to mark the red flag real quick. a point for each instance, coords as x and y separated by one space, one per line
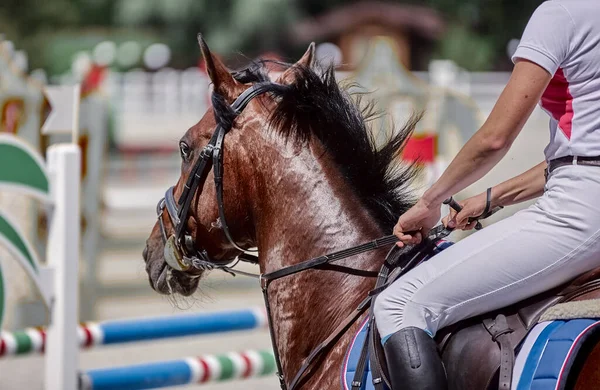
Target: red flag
421 147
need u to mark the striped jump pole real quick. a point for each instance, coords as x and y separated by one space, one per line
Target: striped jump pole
90 335
195 370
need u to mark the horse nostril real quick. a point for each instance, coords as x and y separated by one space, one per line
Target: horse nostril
145 253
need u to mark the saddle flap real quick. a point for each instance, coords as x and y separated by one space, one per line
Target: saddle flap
471 358
470 353
583 279
529 313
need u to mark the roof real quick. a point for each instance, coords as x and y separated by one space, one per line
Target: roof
422 21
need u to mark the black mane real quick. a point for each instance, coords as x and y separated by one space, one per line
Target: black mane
316 106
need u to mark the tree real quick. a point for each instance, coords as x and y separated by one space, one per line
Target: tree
478 30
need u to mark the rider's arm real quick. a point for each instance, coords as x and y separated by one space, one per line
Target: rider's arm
526 186
524 89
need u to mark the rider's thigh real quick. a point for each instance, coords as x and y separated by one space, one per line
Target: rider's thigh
536 249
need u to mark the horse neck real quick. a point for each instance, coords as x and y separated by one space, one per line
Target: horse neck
304 209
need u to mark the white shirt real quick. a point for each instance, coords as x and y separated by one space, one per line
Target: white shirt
563 37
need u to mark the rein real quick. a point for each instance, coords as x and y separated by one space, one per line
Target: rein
266 279
397 263
412 255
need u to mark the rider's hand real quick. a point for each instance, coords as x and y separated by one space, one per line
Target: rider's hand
420 219
472 207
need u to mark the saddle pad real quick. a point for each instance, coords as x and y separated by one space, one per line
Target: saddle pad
589 308
355 348
548 352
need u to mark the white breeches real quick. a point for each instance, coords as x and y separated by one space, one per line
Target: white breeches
541 247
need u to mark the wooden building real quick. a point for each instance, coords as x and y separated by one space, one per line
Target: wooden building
414 29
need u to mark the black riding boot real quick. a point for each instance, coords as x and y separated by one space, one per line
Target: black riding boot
413 361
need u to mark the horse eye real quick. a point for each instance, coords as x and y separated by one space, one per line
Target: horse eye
184 149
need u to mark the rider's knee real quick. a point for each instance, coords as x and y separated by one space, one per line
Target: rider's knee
392 302
385 305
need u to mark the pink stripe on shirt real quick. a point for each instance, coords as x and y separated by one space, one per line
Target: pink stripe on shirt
558 101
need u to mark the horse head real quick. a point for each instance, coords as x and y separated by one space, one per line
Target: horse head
196 223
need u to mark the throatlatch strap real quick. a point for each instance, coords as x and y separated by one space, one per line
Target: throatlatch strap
500 331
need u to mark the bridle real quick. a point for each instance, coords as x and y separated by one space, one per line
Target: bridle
181 252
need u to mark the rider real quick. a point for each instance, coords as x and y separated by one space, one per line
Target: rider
541 247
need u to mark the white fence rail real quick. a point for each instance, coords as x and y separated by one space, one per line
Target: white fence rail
153 109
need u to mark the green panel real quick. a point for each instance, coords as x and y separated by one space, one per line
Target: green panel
17 166
24 344
8 231
2 297
226 367
268 362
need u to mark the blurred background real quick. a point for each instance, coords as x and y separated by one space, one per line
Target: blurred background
144 84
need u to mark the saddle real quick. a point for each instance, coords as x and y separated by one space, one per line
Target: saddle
478 353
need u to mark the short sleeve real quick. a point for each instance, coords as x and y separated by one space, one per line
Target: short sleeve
547 36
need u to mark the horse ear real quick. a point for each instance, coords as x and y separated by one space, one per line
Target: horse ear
221 77
307 61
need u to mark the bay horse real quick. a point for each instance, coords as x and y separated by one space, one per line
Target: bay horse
297 176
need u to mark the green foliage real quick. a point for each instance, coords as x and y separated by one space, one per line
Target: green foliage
469 50
30 22
30 17
476 38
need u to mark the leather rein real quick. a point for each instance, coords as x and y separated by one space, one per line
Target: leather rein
183 254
